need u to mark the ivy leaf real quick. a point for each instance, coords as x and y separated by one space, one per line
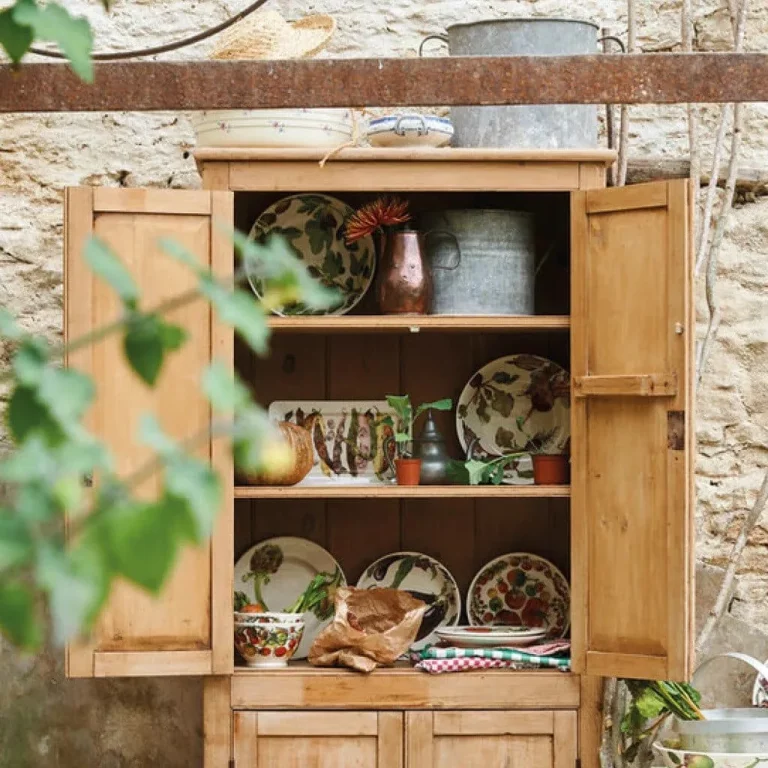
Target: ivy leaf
52 22
9 329
18 618
104 262
15 38
15 541
143 542
195 482
224 389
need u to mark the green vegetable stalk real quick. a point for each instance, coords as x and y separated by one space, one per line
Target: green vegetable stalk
318 597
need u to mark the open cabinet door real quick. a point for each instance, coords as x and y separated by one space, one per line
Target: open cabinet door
632 427
187 630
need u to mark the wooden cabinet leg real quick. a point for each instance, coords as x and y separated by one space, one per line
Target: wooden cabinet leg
590 721
217 722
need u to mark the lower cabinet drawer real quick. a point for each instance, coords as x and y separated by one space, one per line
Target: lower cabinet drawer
318 739
423 739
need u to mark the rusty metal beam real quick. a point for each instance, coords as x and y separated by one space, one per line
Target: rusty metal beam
599 79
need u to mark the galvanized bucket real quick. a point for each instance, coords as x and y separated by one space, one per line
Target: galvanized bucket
550 126
482 261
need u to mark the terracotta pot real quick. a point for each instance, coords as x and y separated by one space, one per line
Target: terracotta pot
300 442
408 471
550 470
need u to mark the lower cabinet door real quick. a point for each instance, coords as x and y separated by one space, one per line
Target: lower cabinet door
490 739
318 739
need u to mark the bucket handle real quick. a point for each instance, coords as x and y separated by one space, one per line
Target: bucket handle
422 130
612 38
442 38
758 666
451 236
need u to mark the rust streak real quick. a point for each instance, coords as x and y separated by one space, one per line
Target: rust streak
195 85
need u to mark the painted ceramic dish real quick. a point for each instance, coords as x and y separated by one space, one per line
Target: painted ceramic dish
348 438
490 637
679 758
313 225
268 645
516 403
424 578
411 130
277 571
520 590
274 128
760 690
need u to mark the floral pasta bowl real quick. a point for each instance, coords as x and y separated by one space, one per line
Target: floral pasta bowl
679 758
268 645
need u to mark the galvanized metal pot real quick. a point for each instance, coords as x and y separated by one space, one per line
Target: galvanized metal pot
483 261
545 126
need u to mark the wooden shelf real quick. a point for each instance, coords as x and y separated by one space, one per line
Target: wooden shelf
402 687
402 492
420 323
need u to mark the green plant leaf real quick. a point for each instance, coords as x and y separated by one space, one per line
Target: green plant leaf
30 360
401 405
196 483
239 310
402 437
15 540
27 415
18 617
224 389
31 460
144 347
105 264
436 405
67 394
476 471
151 434
9 329
143 542
15 38
53 23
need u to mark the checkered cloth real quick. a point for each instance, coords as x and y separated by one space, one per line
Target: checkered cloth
438 666
533 657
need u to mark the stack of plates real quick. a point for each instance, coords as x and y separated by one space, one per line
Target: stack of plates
490 637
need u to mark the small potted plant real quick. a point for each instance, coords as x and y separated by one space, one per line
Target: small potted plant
408 469
550 459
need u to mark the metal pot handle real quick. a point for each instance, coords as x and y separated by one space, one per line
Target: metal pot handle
613 38
445 233
442 38
423 129
758 666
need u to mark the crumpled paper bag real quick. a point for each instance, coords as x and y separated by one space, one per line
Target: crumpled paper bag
370 627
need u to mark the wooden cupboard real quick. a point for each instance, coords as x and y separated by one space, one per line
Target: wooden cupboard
616 311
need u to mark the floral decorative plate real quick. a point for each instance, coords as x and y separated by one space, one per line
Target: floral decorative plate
348 438
516 403
520 590
424 578
276 572
313 224
490 637
679 758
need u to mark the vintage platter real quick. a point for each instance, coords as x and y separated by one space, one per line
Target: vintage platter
347 436
274 128
423 577
516 403
313 224
521 590
412 130
680 758
275 572
490 637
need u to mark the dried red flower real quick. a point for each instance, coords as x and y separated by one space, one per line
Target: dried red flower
382 212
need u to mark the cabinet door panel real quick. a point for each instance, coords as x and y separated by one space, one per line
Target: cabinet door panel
318 739
632 445
513 739
136 630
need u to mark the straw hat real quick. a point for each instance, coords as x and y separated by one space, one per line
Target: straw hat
267 35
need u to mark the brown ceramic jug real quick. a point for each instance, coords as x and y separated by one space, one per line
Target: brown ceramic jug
404 283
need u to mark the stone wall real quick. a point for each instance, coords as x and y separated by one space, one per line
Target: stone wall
46 720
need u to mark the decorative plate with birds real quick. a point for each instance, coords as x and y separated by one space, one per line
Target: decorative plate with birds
314 227
422 577
516 403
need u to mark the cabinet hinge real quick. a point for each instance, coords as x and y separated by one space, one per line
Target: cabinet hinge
232 764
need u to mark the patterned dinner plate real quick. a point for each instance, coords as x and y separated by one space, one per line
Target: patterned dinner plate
520 590
276 572
490 637
424 578
313 225
516 403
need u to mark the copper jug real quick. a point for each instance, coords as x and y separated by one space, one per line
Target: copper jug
404 282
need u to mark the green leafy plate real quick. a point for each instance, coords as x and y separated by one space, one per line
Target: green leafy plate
513 404
313 225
